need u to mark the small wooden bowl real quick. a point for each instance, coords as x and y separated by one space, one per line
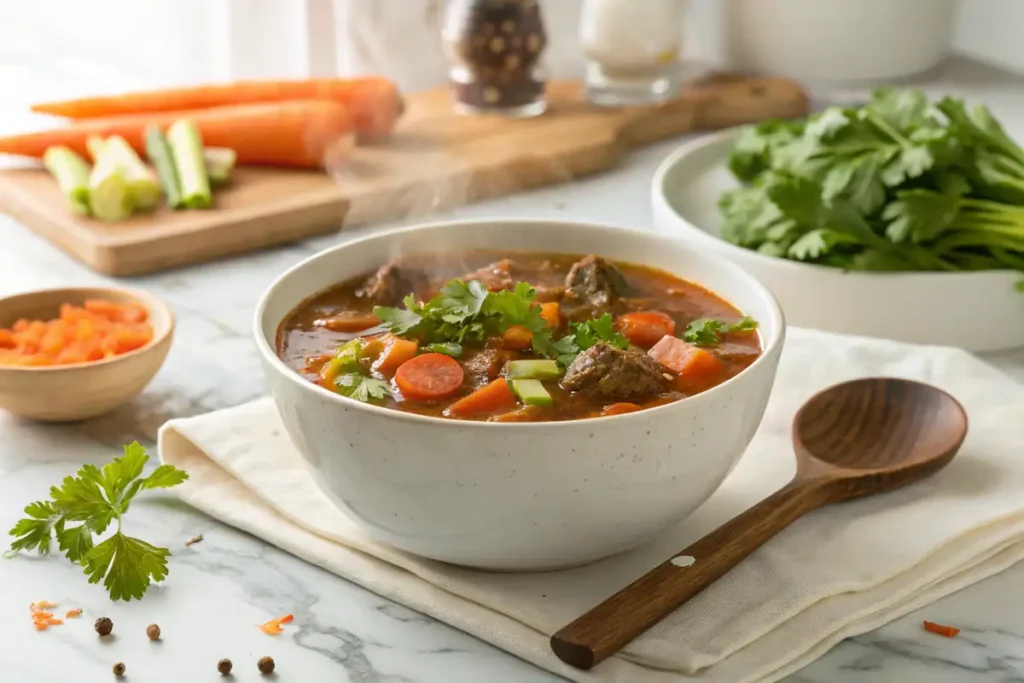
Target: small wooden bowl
66 393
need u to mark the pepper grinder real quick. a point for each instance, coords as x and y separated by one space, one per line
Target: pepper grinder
495 49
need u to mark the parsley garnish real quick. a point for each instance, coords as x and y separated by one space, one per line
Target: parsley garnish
586 334
361 387
87 504
900 183
709 331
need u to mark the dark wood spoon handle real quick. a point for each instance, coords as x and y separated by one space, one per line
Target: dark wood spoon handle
614 623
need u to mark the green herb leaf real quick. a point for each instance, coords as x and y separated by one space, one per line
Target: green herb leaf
96 498
920 215
590 332
447 348
360 387
709 331
126 566
398 321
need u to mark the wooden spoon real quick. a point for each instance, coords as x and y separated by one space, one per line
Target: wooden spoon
854 439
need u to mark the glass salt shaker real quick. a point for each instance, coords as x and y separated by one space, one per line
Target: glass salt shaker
632 50
495 47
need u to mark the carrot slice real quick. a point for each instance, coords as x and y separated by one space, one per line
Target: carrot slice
939 629
517 337
620 409
374 101
493 398
297 133
429 377
396 352
646 328
552 314
686 360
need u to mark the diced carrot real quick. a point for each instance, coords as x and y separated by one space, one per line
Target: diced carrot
106 309
349 321
620 409
396 352
517 337
686 360
373 346
493 398
7 340
286 619
273 627
551 312
41 626
646 328
939 629
429 377
54 622
73 613
42 605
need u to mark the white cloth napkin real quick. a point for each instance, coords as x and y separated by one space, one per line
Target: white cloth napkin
836 573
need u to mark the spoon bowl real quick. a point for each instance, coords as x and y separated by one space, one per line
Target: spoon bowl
876 434
854 439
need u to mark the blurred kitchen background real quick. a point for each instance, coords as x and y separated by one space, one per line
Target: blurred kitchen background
837 47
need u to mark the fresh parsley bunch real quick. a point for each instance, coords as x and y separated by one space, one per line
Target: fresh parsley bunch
84 506
467 313
901 183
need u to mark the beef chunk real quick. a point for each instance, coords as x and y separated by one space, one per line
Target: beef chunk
594 283
495 276
611 374
485 366
389 285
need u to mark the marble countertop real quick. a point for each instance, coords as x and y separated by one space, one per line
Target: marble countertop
219 589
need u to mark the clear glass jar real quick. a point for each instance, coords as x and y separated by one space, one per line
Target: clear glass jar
495 48
632 50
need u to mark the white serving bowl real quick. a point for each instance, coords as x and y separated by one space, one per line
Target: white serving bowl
978 311
519 496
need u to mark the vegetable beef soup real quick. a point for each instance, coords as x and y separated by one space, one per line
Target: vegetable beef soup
517 337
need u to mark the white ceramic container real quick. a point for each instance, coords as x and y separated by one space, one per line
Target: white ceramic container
978 311
519 496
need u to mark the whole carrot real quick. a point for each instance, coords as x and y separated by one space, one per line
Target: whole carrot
374 102
298 133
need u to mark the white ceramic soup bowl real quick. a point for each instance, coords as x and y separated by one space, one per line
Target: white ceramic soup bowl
519 496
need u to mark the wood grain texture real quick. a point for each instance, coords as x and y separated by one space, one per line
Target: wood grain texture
854 439
436 159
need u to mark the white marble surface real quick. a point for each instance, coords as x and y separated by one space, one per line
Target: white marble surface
219 589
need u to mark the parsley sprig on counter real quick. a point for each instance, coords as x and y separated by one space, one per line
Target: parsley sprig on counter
467 313
86 505
901 183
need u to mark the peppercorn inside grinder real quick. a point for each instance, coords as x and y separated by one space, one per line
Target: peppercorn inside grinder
495 48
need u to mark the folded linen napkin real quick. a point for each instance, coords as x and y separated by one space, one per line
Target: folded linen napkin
836 573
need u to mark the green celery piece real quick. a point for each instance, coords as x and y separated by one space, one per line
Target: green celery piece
142 182
534 369
72 175
109 195
187 148
220 161
159 153
531 392
94 144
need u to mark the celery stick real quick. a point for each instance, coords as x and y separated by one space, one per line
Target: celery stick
72 174
142 182
109 193
187 148
220 161
94 144
159 153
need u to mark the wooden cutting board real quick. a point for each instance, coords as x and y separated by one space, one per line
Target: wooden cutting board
436 159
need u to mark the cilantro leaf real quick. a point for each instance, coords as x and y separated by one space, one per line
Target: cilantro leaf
751 154
360 387
96 498
126 566
75 542
920 215
709 331
165 477
590 332
817 243
35 531
398 321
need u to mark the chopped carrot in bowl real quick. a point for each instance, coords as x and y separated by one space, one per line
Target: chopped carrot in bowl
97 330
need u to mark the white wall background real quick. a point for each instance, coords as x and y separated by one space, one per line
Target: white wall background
72 46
